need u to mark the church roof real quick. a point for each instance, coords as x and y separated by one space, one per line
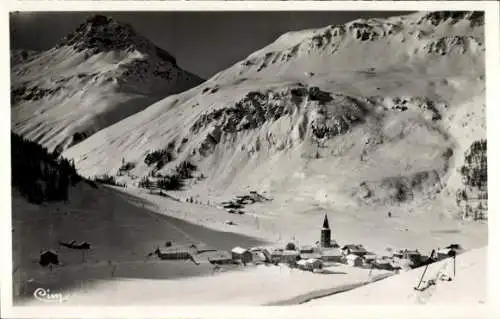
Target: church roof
325 222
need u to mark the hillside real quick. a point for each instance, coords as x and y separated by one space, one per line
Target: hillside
468 286
96 76
373 114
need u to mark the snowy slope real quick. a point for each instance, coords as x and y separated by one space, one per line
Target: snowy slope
122 230
99 74
469 286
356 115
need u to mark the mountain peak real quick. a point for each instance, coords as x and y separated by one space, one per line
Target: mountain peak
101 33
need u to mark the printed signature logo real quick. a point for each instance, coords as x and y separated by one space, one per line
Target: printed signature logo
46 296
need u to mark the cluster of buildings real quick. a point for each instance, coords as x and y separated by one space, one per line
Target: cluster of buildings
311 257
327 251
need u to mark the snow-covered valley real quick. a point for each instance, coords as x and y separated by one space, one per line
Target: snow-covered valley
377 123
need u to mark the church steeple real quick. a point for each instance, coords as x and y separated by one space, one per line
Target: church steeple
325 234
325 223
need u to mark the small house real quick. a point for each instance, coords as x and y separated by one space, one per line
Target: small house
397 254
290 256
241 254
456 247
309 264
445 253
369 258
351 249
314 263
354 260
258 257
48 257
276 255
414 256
220 258
384 264
262 252
332 254
171 253
310 255
302 264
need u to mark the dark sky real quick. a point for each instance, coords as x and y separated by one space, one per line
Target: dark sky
202 42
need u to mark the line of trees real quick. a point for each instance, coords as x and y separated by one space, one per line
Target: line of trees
40 175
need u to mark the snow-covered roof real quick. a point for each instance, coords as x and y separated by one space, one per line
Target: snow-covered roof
331 252
352 247
444 251
290 253
310 255
173 250
48 251
312 260
302 262
238 250
352 257
221 255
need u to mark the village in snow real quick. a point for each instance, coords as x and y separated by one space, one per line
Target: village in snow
308 257
339 160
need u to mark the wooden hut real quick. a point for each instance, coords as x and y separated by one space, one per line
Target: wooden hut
241 254
170 253
48 257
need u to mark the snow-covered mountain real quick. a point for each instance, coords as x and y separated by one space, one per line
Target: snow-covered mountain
99 74
373 113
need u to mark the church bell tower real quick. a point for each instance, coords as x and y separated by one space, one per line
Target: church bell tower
325 234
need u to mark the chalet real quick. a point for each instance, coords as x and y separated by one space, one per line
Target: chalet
310 264
456 247
220 257
241 254
354 260
258 257
290 256
302 264
414 256
397 254
351 249
332 254
385 264
171 253
276 255
369 258
48 257
310 255
445 253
